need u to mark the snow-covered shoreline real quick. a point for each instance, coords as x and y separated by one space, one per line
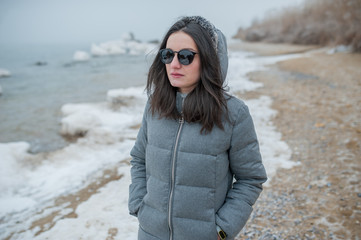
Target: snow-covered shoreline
30 184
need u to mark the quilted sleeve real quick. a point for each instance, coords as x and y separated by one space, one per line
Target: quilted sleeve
248 172
137 188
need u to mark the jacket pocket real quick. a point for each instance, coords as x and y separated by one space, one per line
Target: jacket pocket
153 222
140 208
143 235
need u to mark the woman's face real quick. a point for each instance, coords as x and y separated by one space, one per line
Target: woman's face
184 77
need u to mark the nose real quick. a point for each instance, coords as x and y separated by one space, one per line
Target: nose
175 62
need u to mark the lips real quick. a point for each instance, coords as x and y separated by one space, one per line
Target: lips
176 75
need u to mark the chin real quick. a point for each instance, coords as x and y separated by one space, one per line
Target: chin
175 84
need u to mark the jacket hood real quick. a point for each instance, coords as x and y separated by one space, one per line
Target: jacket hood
222 53
218 39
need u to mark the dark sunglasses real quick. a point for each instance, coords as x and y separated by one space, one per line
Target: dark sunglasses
185 56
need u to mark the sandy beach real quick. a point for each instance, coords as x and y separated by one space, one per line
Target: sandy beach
318 102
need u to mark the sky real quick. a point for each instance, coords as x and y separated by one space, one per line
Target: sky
67 21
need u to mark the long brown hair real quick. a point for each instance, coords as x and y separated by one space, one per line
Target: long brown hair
206 103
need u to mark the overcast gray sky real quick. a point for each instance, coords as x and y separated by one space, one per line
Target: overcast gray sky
61 21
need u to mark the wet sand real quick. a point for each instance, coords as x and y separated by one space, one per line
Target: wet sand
318 100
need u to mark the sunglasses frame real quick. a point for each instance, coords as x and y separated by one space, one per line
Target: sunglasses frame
181 60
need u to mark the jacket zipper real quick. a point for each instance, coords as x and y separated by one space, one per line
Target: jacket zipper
181 122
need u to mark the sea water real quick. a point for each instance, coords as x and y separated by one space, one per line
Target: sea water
45 77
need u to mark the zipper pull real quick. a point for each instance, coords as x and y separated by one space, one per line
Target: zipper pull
181 119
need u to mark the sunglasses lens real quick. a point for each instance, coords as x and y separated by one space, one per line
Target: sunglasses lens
166 56
185 57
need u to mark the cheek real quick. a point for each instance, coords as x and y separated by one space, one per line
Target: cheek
197 71
167 68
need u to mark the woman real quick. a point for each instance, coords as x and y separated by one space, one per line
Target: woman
196 166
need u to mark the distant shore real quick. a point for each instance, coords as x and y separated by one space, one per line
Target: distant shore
318 100
320 22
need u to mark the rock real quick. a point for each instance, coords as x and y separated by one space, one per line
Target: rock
40 63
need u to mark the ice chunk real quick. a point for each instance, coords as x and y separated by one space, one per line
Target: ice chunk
126 45
78 120
97 50
125 97
81 56
4 73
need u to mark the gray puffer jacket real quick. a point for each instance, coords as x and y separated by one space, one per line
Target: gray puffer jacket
185 183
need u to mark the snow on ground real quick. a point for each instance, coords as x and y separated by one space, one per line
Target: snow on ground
102 216
31 185
275 152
